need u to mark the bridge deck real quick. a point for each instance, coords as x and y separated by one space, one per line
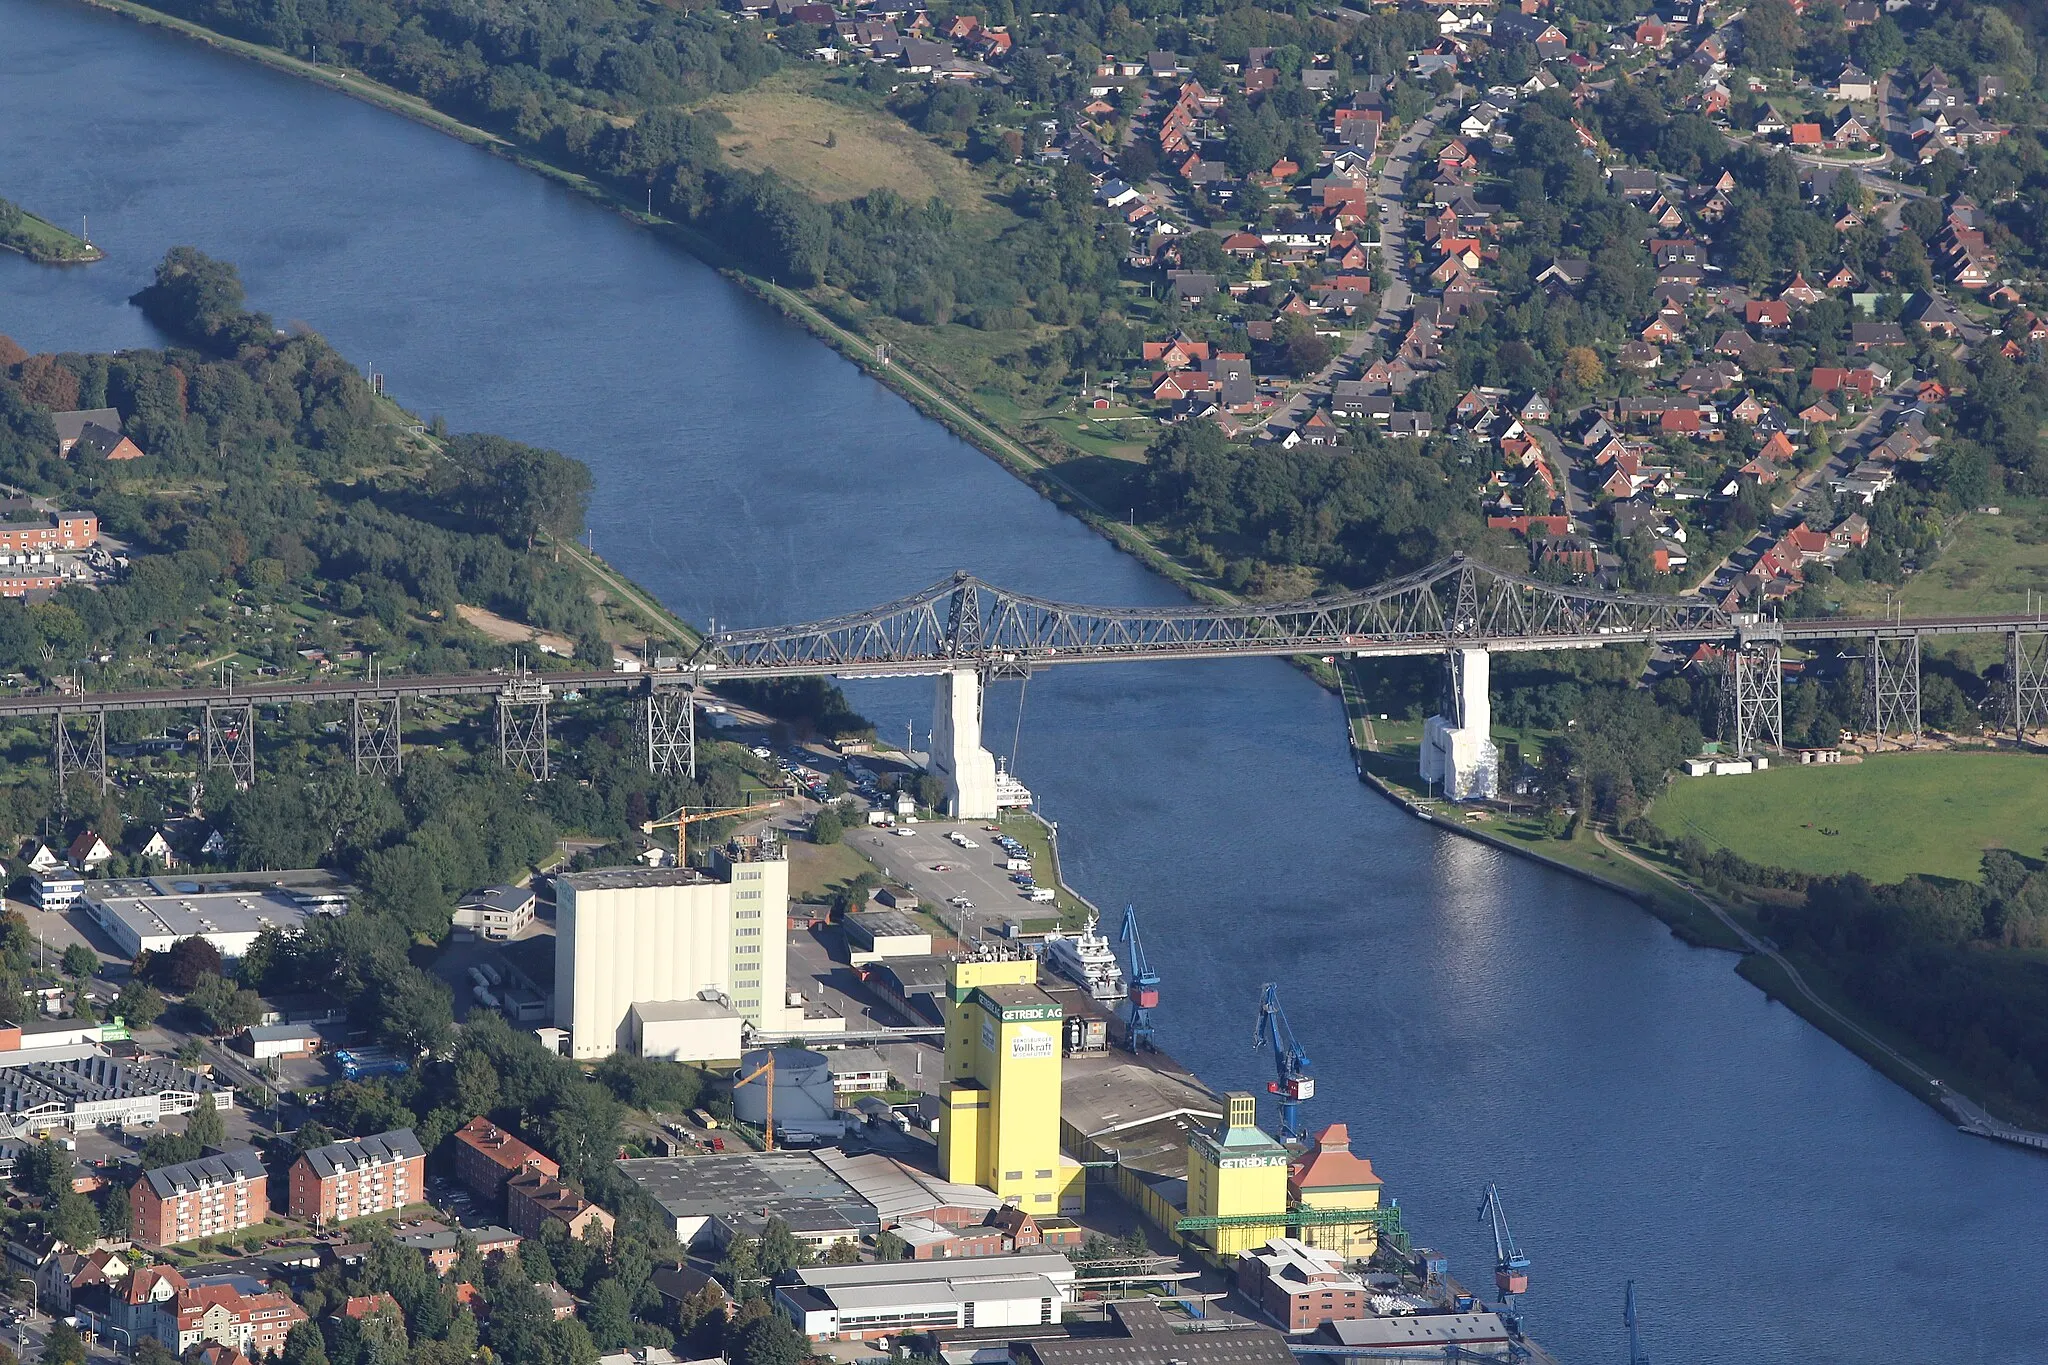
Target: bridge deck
929 662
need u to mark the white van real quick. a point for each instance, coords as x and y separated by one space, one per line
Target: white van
1043 893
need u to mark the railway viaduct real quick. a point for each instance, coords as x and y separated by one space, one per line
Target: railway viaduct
964 633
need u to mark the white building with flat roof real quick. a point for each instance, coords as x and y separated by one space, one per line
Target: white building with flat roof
153 921
632 935
854 1301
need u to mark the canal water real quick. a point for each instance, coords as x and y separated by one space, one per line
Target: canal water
1473 1018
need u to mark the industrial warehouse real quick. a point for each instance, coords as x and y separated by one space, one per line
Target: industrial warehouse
80 1086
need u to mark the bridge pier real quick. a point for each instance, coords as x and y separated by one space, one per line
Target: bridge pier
1457 746
523 727
69 755
669 721
1893 686
957 757
2026 668
1753 699
374 726
229 729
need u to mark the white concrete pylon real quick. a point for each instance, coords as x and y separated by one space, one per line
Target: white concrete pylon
957 757
1457 750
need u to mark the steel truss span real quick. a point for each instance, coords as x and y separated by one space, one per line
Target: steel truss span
966 623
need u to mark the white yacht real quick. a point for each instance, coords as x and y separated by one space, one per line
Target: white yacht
1086 959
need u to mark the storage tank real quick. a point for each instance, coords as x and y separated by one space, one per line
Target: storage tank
803 1088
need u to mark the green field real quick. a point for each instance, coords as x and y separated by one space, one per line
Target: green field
1887 817
1989 564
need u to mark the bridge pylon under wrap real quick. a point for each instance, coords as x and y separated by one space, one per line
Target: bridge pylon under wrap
1457 747
958 758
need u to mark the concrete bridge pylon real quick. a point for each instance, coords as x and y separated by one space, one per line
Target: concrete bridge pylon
957 756
1458 752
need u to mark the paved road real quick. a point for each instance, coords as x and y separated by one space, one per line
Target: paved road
1850 447
1388 191
1578 504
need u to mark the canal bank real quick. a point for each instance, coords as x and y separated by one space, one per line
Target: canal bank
1475 1017
1677 902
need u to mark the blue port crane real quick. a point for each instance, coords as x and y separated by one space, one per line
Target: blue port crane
1293 1079
1141 988
1636 1354
1510 1267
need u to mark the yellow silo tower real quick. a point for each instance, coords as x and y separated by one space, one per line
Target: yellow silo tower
1236 1170
1001 1124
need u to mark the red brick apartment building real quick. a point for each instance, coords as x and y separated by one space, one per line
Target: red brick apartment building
486 1156
209 1197
531 1199
345 1180
56 531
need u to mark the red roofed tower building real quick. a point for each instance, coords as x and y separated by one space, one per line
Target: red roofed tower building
1329 1176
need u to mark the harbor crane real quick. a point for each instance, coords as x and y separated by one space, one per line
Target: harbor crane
1510 1267
1142 990
683 817
1294 1080
1636 1354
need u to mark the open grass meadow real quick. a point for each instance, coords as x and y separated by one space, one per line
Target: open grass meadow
1990 564
839 151
1887 817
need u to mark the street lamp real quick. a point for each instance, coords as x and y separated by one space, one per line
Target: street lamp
34 1296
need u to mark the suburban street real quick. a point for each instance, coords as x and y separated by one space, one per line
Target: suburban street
1389 188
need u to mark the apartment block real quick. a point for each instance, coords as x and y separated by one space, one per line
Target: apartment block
486 1156
345 1180
209 1197
531 1199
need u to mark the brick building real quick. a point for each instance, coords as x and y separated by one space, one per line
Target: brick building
345 1180
209 1197
254 1324
531 1199
1299 1286
486 1156
24 532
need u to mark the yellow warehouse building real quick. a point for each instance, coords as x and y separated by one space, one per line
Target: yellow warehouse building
1234 1170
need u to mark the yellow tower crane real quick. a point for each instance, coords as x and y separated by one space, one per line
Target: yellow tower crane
681 819
766 1069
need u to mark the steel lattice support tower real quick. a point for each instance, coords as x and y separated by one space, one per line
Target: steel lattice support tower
1893 667
1753 699
2026 666
523 727
375 724
229 729
71 754
670 717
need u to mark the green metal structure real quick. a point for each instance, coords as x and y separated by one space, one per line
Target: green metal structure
1387 1221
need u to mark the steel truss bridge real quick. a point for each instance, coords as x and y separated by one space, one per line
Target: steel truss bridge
966 625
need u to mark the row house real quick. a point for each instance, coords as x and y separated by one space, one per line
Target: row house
210 1197
345 1180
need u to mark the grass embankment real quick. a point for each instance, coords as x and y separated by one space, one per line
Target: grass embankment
41 240
1887 817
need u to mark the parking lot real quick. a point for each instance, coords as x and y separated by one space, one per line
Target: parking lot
922 857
